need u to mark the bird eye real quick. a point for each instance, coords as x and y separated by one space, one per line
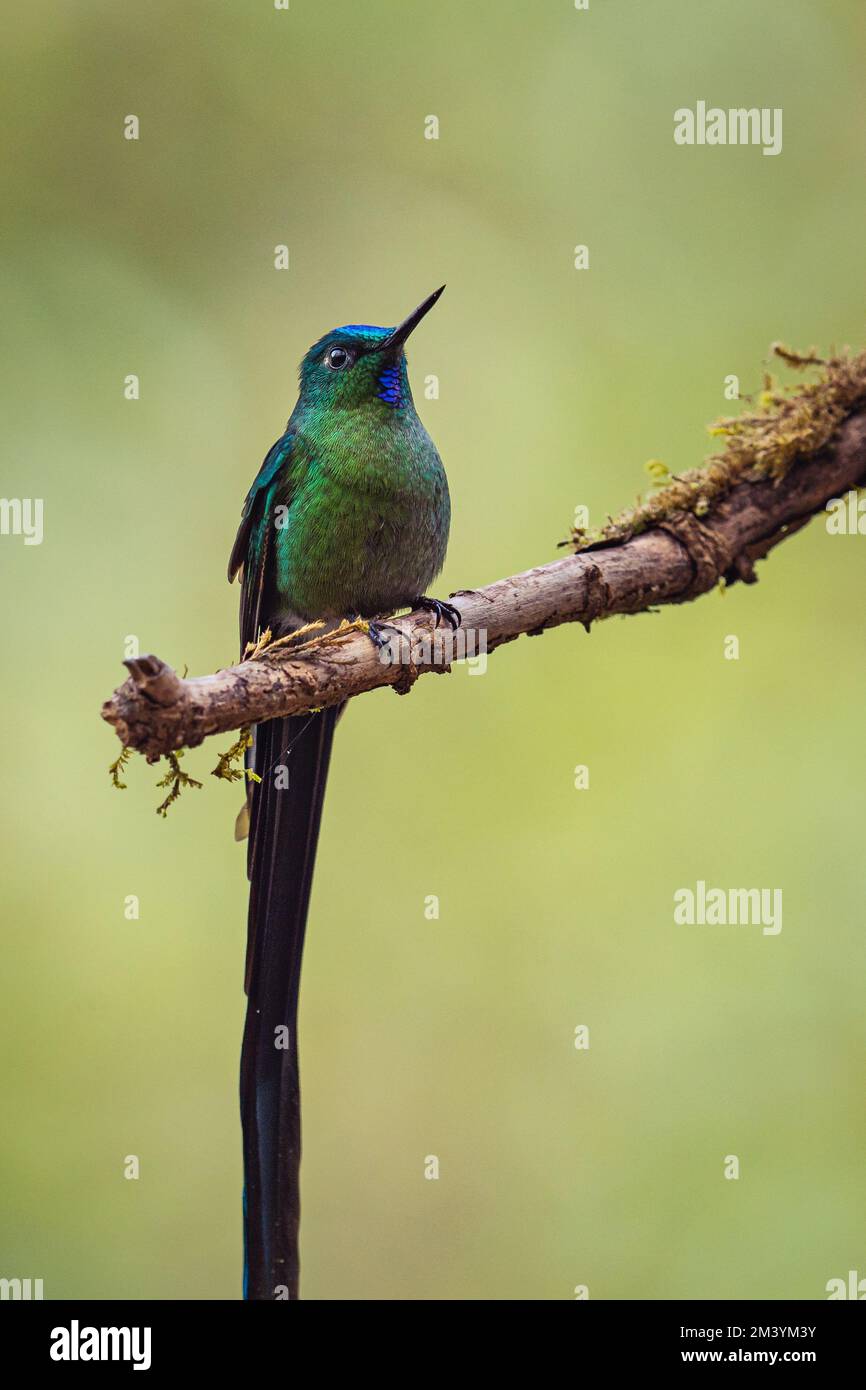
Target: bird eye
338 358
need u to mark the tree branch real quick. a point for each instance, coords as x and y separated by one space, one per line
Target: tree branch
682 556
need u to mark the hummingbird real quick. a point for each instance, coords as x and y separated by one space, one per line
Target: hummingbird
348 517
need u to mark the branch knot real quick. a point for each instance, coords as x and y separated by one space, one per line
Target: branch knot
710 552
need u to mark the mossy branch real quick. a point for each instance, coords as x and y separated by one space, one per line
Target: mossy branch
790 424
226 768
117 767
781 464
176 779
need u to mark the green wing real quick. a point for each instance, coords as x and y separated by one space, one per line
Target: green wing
253 547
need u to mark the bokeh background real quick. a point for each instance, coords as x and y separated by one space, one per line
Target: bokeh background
452 1037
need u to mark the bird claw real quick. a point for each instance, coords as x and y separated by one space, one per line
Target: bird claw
441 609
376 634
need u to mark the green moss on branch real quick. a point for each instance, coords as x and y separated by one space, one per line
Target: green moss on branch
789 423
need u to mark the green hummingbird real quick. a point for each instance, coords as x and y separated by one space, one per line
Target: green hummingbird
347 517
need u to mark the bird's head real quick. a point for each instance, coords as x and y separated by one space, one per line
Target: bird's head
359 365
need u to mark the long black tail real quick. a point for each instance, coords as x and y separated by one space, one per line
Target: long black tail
291 757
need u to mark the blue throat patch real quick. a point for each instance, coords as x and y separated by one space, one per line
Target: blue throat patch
392 387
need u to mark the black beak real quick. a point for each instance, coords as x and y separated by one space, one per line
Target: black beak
402 331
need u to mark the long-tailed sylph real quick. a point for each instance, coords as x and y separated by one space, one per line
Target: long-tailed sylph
348 517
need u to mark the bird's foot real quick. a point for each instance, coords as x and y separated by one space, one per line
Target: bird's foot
441 609
377 634
374 629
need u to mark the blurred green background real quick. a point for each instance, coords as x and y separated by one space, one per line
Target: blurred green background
452 1037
